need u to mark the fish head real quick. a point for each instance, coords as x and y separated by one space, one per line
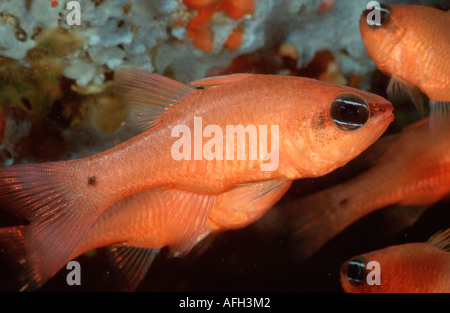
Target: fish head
382 30
345 122
353 276
391 269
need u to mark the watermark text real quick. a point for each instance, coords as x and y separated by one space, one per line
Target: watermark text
239 143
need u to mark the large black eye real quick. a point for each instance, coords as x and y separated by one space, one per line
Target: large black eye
349 112
356 270
378 15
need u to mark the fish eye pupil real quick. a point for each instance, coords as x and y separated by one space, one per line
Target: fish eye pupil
356 271
349 112
378 15
385 13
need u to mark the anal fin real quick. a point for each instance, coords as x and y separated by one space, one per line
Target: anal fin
130 264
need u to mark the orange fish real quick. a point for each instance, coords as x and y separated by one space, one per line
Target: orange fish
412 268
414 173
411 44
136 227
316 128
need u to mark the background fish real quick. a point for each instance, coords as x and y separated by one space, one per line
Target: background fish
413 173
138 226
413 267
411 44
63 199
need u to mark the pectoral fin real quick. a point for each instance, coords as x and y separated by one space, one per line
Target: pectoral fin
399 91
246 203
440 118
441 240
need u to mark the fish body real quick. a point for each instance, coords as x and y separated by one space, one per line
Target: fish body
407 268
411 45
148 221
320 127
145 219
413 172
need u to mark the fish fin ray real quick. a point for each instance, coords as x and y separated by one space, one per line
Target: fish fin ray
184 214
148 95
42 193
130 264
441 240
399 91
439 117
220 80
253 191
14 247
247 202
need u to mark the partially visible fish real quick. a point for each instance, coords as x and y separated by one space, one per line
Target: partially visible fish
414 173
411 268
411 43
321 127
138 226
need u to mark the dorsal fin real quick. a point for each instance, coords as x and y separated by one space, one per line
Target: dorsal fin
149 95
441 240
220 80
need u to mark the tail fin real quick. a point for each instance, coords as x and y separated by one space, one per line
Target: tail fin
47 195
21 271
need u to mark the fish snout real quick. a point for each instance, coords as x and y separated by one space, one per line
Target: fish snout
383 110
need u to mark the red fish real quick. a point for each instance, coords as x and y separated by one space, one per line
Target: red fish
414 173
320 127
412 268
411 44
138 226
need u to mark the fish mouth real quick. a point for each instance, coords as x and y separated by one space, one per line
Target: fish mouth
382 117
383 110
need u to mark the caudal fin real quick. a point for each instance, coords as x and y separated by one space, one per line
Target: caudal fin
19 263
48 196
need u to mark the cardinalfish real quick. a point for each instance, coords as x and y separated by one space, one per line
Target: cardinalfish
134 229
412 174
411 44
411 268
320 126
